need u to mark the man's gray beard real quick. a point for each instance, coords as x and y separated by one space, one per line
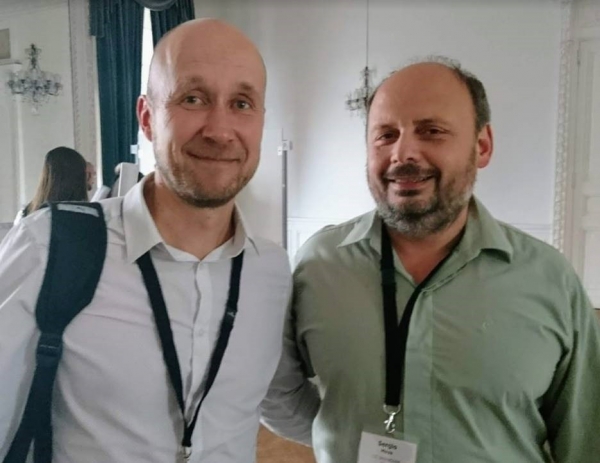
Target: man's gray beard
417 223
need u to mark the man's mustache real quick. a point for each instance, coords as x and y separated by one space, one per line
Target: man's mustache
410 171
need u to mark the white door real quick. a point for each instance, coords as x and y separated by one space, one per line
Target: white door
586 213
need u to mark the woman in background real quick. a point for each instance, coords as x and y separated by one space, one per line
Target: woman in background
64 178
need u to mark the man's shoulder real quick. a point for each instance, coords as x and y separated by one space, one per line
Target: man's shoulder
37 224
112 208
328 239
269 259
267 247
528 248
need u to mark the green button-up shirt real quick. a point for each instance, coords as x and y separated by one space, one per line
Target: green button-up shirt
503 352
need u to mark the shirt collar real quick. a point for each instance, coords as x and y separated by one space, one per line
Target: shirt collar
482 232
243 236
365 227
141 234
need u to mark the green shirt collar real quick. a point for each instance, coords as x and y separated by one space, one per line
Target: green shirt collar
483 233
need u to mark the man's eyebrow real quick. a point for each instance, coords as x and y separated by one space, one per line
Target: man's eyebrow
431 120
187 83
192 81
247 88
382 125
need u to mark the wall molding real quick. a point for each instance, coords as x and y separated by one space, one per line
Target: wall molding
563 163
84 80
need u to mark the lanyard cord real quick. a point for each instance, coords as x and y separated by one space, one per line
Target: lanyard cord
396 335
165 333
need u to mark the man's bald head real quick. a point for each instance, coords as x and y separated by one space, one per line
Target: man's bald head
203 39
204 111
438 66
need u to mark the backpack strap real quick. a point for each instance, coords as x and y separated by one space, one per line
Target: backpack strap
75 260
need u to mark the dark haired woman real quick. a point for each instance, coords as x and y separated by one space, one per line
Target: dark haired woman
63 178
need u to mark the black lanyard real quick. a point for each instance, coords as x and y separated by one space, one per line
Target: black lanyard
396 335
165 333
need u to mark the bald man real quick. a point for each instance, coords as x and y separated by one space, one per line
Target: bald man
436 333
124 393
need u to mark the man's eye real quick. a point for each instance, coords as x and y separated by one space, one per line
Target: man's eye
192 100
242 104
385 136
432 131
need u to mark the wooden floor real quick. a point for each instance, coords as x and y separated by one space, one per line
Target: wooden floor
273 449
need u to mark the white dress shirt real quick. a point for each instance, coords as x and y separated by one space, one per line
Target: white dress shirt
113 399
18 217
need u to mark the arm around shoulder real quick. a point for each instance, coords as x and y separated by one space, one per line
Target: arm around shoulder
292 401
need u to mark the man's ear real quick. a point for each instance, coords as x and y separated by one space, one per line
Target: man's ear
485 146
144 115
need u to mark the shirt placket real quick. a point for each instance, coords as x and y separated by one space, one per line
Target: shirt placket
201 337
419 385
417 399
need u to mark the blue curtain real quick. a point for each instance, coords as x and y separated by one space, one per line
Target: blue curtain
166 19
117 26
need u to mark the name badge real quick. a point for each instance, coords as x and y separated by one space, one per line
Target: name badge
375 448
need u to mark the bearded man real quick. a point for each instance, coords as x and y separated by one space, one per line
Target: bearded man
434 332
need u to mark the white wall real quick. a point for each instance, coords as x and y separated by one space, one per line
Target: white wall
47 26
315 50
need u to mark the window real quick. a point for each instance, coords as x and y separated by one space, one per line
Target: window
145 151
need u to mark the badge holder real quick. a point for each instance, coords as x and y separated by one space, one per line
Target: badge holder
387 445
